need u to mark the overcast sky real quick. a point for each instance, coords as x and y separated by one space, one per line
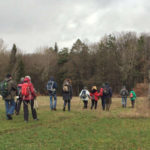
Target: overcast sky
36 23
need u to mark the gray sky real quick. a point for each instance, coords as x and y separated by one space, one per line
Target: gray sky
36 23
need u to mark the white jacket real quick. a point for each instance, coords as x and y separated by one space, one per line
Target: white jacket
87 97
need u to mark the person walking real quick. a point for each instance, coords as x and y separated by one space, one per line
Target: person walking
107 92
67 94
124 93
94 97
102 97
132 97
19 96
85 95
8 92
52 87
28 96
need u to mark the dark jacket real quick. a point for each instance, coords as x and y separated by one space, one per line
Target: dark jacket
124 92
54 86
67 95
109 91
12 89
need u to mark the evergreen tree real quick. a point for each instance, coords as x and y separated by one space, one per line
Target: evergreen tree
20 70
56 48
12 60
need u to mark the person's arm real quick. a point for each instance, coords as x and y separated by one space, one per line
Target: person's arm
110 90
134 95
80 93
127 92
71 92
32 90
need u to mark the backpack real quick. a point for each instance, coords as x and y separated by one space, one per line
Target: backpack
123 93
4 89
106 91
131 95
101 92
50 86
65 88
25 90
83 94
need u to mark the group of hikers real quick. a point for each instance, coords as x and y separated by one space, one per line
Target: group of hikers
26 93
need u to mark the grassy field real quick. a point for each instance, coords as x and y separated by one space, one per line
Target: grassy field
119 129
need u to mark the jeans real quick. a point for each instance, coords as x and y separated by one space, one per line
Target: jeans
10 106
53 106
124 101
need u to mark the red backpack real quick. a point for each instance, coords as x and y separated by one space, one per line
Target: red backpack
131 95
101 92
25 91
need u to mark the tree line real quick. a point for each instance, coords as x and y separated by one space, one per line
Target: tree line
119 59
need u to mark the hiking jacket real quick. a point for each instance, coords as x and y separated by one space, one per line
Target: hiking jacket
124 91
134 96
110 92
67 95
94 95
54 86
12 89
32 94
87 95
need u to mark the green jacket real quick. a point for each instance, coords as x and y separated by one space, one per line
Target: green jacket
134 96
12 88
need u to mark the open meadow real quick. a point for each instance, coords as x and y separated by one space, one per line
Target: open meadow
119 129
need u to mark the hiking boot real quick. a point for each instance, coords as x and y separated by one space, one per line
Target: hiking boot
64 109
54 109
17 113
36 119
26 121
9 117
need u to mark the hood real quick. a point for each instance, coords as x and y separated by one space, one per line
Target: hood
52 78
26 79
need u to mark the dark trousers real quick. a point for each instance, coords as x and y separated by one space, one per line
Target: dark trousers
94 103
85 104
132 103
103 103
108 103
26 111
18 105
65 103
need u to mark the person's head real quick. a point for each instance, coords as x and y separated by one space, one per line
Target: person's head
8 76
124 87
94 88
22 79
85 87
28 77
103 85
52 78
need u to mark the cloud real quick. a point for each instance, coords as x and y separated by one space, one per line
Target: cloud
34 23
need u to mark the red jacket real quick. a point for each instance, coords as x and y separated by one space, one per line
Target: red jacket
101 91
95 95
32 94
